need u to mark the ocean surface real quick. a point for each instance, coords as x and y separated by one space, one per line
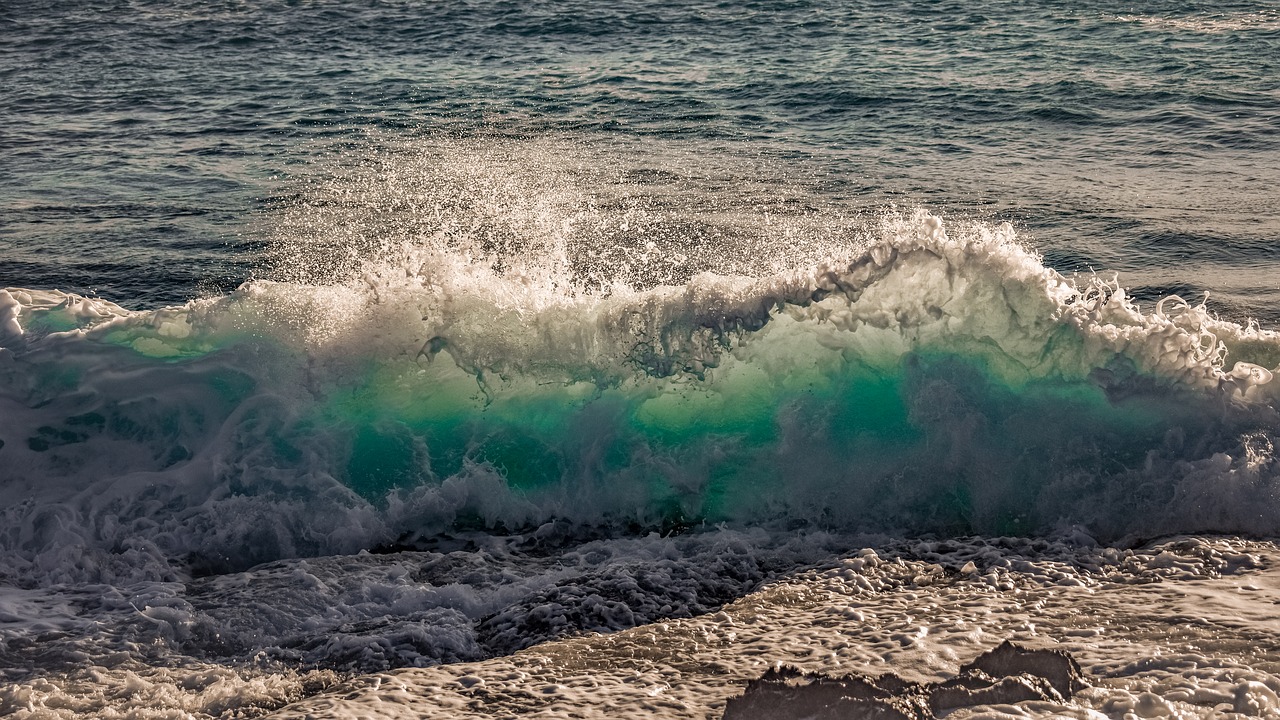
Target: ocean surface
589 359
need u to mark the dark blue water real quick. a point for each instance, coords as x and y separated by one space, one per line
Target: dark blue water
147 149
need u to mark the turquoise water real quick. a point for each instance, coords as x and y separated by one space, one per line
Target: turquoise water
636 266
339 337
934 379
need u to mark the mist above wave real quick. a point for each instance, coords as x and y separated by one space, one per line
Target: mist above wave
466 343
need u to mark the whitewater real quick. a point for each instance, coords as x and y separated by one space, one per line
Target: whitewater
881 393
738 361
528 461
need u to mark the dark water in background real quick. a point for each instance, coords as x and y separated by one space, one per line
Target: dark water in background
144 146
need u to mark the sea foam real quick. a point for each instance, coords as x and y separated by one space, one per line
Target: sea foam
924 380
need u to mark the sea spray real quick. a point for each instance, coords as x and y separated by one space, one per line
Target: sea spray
928 382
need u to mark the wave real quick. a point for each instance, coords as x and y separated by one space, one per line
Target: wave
929 380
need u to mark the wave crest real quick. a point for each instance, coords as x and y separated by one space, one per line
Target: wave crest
921 381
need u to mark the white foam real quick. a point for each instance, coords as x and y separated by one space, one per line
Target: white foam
1178 628
137 440
1178 647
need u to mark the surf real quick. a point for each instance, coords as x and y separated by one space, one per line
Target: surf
931 380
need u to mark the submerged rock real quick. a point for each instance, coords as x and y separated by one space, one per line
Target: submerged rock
1006 674
1056 667
786 692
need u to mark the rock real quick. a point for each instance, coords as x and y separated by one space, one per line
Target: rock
1006 659
1005 691
786 692
1005 675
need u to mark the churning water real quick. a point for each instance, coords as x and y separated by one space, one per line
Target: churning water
340 338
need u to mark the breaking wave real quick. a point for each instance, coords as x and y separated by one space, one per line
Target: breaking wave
922 380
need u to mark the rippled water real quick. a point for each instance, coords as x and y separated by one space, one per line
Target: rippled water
587 358
147 146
